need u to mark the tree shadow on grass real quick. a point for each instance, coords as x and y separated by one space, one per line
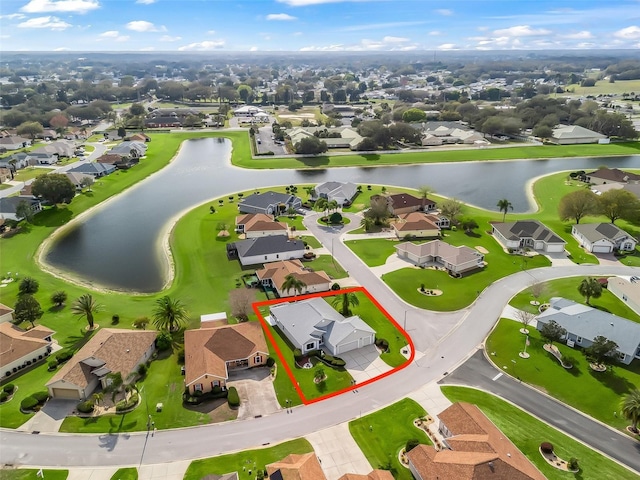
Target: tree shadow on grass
372 157
614 382
56 308
52 217
314 162
472 234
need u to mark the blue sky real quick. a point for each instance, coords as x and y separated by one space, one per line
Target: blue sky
317 25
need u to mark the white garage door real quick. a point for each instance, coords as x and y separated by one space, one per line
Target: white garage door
66 393
601 249
347 347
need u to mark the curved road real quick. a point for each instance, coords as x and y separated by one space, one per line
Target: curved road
443 341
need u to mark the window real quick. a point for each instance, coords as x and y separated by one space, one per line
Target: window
621 355
309 346
258 359
579 340
624 297
197 387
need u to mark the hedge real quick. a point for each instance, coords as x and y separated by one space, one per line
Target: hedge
232 397
9 388
3 396
63 356
124 405
42 396
52 365
28 403
85 407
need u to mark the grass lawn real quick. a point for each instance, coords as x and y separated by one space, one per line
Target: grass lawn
527 433
381 435
568 288
126 474
28 173
294 221
311 241
603 87
373 252
5 186
326 263
32 474
163 384
244 461
594 393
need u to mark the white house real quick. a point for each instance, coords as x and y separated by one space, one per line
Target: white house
271 248
341 192
313 324
249 111
456 260
9 206
22 348
527 234
575 134
627 290
270 203
603 238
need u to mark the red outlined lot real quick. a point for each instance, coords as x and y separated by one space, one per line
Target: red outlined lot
267 331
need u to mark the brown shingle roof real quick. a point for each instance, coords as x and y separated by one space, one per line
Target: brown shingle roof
414 221
259 222
4 309
16 343
614 175
403 200
479 450
374 475
208 349
120 350
298 467
277 271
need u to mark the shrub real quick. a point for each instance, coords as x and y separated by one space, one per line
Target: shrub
115 319
41 396
297 354
163 342
3 396
85 407
382 344
141 322
572 464
335 286
180 354
411 444
63 356
9 388
270 362
233 398
216 389
546 447
28 403
338 362
142 369
124 405
53 364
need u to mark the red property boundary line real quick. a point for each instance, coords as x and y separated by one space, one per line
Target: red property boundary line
306 401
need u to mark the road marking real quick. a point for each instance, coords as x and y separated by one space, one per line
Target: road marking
497 376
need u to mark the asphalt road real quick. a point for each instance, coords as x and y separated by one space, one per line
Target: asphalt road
443 341
478 372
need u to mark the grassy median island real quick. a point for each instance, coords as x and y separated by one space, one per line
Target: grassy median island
32 474
130 473
382 434
242 462
527 433
597 394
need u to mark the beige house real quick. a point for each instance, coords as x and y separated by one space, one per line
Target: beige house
456 260
415 224
110 350
474 449
627 290
212 352
254 225
21 348
273 276
575 134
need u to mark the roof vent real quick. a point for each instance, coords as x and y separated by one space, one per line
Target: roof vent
611 324
127 350
509 455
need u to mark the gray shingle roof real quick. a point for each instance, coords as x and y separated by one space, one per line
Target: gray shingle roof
267 245
263 200
10 204
527 229
599 231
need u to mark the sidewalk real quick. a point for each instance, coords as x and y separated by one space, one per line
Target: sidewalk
338 452
163 471
431 398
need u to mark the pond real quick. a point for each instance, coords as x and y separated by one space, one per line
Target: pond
119 245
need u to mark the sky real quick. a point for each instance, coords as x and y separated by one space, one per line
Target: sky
317 25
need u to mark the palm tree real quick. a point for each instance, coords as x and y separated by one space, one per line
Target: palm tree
590 288
98 398
332 205
425 191
504 206
367 223
310 191
344 301
86 306
169 314
630 406
292 283
321 203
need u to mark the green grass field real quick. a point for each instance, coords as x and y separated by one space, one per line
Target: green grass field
32 474
382 434
603 87
242 462
527 433
126 474
329 265
30 172
597 394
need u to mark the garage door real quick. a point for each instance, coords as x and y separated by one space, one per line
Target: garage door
347 347
601 249
66 393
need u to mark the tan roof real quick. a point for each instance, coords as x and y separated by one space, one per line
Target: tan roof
479 450
16 343
438 248
208 349
298 467
109 158
120 350
374 475
4 309
259 222
277 271
414 221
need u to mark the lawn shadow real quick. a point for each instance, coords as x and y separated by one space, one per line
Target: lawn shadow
314 162
52 217
322 386
371 157
55 308
575 371
619 385
472 234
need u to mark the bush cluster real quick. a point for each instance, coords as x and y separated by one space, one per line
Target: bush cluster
331 361
28 403
63 356
198 397
85 407
3 396
9 388
233 398
124 405
42 396
270 362
52 365
382 344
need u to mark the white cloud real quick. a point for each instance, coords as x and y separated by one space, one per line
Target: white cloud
281 17
61 49
66 6
329 48
54 23
203 46
169 38
211 32
296 34
253 49
5 36
584 34
114 35
304 3
147 49
629 33
376 26
387 43
146 2
447 46
13 16
521 31
434 33
444 11
144 26
389 39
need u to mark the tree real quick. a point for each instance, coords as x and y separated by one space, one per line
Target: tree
344 302
137 109
619 203
292 283
86 181
321 204
54 188
59 122
424 191
141 322
525 318
601 350
28 286
552 332
504 206
319 375
169 314
378 210
367 223
537 289
122 132
367 145
311 146
310 191
590 288
414 115
451 208
24 211
27 309
630 407
577 205
30 128
241 301
468 224
86 306
59 297
542 131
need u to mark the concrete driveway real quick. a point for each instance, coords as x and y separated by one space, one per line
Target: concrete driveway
50 417
338 452
364 363
255 388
